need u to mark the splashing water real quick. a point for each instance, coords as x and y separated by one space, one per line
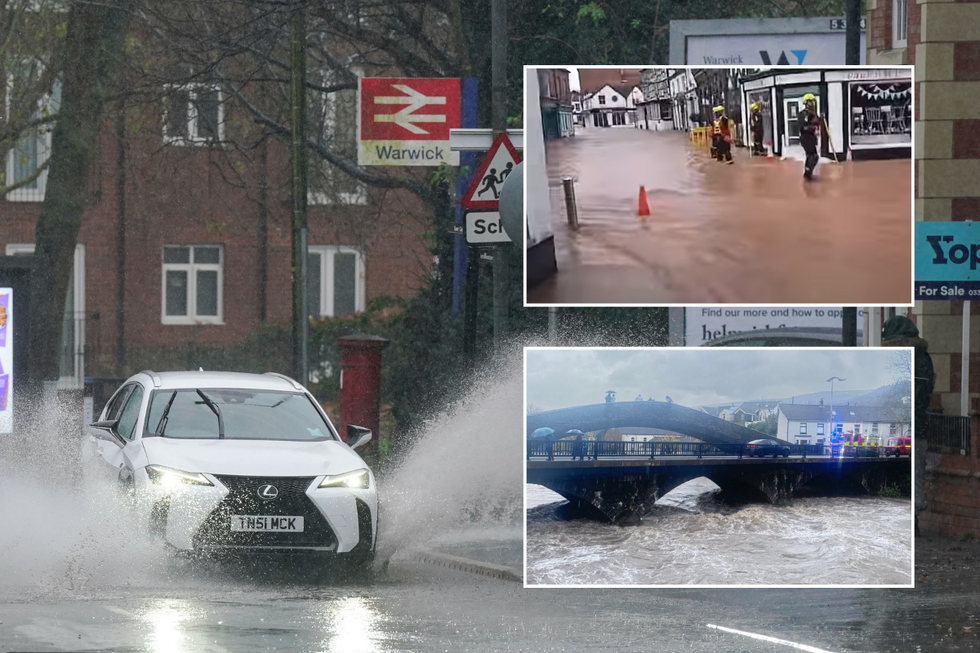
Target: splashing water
463 477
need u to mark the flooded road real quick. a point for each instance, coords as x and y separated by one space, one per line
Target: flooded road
812 541
751 232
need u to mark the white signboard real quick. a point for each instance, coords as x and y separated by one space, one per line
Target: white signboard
753 50
485 228
704 324
6 359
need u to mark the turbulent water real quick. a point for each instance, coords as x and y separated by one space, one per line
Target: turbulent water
689 539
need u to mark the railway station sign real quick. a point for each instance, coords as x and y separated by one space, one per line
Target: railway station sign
406 121
947 260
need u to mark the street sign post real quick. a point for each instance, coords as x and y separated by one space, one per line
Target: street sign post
497 165
406 121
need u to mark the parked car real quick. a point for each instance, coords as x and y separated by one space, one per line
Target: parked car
763 448
222 462
899 446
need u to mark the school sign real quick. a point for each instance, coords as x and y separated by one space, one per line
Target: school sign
406 121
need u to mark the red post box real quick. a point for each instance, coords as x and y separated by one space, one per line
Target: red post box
360 382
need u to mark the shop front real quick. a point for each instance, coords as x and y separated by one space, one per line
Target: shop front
866 111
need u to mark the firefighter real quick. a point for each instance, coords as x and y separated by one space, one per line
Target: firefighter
809 128
723 135
757 129
715 132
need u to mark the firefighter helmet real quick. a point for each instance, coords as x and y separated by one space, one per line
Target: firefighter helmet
754 106
719 109
809 97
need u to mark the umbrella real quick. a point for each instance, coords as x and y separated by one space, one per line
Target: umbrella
542 432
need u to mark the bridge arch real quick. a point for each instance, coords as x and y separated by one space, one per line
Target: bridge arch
647 414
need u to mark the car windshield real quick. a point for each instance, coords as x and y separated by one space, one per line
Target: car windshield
245 415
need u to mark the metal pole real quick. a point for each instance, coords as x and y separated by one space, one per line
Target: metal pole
297 156
553 325
568 184
498 115
965 363
849 326
852 46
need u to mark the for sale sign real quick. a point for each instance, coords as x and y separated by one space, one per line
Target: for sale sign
406 121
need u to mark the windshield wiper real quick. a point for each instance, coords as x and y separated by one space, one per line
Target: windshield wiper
162 424
214 409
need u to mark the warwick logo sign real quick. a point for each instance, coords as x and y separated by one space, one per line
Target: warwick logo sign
783 61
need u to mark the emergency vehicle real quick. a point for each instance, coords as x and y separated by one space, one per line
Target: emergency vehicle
899 446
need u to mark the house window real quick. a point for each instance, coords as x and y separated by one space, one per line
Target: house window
33 146
857 429
192 284
798 441
193 113
892 428
900 23
820 428
874 428
802 428
335 280
602 99
335 126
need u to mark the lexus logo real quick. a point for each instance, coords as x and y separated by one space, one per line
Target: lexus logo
268 491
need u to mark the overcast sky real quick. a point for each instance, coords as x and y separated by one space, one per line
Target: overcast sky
698 376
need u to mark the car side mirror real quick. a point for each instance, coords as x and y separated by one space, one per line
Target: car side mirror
104 429
357 436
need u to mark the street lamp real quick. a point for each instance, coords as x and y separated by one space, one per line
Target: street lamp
833 417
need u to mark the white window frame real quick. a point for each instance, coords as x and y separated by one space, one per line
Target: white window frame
78 301
802 428
602 99
326 253
820 428
192 137
43 138
359 197
900 23
192 269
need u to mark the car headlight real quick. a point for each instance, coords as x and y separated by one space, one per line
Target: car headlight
169 477
356 479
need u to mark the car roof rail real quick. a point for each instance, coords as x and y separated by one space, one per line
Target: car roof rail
153 375
296 384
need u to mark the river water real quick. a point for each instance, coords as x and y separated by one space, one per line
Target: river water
690 539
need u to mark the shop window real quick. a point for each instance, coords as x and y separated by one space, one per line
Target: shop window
335 280
192 284
881 113
193 114
900 23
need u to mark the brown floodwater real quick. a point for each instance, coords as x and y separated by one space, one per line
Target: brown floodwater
751 232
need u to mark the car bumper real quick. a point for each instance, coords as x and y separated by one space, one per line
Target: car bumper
336 520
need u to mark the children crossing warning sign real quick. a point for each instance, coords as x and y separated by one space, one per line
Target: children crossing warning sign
499 162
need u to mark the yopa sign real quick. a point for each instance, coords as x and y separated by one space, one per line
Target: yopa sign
947 260
406 121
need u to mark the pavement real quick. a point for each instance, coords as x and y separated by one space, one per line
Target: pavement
751 232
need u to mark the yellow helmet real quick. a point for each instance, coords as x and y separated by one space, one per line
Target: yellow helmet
754 106
719 109
809 97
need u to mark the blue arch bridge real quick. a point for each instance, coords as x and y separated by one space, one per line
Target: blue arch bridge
620 481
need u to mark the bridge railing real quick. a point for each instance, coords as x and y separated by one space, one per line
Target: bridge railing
948 433
594 450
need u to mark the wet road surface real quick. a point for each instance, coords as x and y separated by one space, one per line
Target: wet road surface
751 232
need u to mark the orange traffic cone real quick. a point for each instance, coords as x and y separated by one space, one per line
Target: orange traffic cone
644 208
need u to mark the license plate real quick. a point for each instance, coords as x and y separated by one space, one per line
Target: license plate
266 523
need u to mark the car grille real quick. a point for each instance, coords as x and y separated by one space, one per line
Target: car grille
242 499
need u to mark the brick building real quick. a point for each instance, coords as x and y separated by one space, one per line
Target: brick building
186 238
942 39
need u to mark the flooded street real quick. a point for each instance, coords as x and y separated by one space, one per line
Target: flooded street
751 232
812 541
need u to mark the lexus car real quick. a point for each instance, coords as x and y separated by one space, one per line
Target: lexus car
223 462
